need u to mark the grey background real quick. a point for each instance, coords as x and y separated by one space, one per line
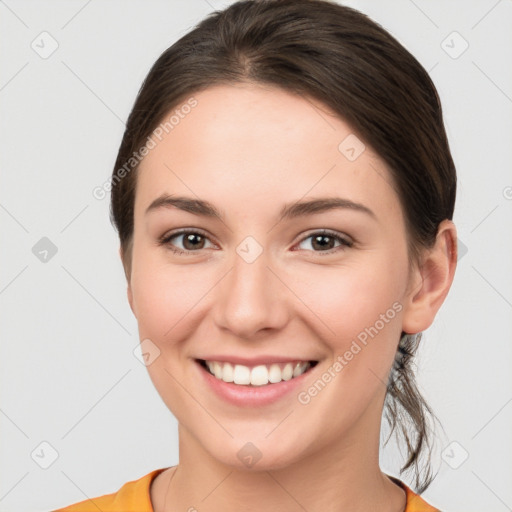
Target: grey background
69 376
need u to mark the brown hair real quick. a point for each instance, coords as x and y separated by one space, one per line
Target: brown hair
335 54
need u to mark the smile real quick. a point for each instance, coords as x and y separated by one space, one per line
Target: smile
260 375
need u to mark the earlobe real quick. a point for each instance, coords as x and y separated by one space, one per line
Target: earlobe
432 280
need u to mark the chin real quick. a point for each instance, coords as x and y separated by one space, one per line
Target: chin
258 454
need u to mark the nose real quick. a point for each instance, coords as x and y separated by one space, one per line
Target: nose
251 298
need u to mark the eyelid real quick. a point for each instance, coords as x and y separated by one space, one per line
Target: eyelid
329 232
181 231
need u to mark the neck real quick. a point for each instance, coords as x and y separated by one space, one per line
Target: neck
343 476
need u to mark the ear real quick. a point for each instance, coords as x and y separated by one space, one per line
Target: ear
129 288
431 280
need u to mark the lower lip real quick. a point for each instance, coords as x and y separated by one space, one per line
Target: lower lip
252 396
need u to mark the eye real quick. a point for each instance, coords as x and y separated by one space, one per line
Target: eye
190 239
194 240
324 240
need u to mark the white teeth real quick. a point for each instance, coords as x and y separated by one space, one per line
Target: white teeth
227 372
259 375
274 374
217 370
241 375
287 372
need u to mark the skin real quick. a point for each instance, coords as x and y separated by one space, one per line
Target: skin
249 149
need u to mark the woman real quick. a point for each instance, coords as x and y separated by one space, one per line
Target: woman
283 195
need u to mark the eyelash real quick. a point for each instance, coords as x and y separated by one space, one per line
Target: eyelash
166 238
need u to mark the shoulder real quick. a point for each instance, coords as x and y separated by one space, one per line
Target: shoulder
414 502
133 496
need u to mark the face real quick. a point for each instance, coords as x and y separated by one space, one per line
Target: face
321 283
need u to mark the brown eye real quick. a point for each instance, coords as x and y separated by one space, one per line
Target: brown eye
191 241
325 241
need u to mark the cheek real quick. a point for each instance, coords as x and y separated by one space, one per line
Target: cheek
359 309
350 299
170 300
360 312
168 303
163 297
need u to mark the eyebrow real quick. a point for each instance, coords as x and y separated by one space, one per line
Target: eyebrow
289 211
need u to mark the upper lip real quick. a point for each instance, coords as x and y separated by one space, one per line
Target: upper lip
253 361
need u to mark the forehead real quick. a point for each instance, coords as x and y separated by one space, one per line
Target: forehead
255 145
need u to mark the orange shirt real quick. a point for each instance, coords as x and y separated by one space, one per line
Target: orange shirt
134 496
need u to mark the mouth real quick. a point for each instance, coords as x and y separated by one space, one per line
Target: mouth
256 376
